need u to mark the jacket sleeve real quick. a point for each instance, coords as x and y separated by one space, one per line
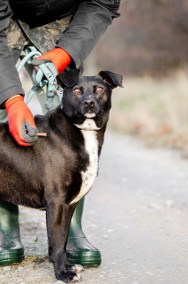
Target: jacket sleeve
88 24
10 83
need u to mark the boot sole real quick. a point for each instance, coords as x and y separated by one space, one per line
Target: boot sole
87 259
11 256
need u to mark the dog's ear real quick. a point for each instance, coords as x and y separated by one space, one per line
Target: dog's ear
111 79
69 78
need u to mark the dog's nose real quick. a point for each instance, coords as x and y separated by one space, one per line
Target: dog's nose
89 104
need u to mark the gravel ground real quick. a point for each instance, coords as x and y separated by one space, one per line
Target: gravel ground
35 269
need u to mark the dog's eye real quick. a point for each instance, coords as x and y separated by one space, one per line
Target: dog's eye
99 90
76 91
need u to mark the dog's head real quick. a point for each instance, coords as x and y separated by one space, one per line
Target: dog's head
87 99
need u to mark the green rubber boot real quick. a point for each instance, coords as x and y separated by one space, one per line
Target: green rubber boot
11 249
79 249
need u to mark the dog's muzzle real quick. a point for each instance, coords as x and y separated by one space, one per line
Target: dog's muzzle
89 107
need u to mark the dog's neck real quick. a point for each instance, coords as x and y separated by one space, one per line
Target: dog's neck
92 140
88 125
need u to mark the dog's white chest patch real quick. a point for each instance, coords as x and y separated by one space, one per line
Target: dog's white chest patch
88 177
88 124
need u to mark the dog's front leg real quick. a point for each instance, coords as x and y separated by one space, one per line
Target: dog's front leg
58 217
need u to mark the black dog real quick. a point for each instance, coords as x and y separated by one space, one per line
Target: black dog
57 171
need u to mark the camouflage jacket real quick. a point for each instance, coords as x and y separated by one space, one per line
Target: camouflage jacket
43 23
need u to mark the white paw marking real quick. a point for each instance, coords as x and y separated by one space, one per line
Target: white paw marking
76 278
77 268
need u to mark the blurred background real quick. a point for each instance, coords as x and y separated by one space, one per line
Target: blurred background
148 44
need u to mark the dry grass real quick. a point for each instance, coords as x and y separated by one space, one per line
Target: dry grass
155 110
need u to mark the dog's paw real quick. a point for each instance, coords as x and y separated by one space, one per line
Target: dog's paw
76 278
70 277
77 268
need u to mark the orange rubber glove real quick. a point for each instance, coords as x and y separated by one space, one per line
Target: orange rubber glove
58 56
21 122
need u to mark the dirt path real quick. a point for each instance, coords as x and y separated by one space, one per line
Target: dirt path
136 214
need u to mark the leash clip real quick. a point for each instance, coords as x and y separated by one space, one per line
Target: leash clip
45 75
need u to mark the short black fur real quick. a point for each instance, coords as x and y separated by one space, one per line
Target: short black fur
48 174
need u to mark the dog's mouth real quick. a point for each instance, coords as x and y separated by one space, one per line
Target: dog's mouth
90 115
91 121
89 108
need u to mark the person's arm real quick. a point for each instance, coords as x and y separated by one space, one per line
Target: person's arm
88 24
20 119
10 84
